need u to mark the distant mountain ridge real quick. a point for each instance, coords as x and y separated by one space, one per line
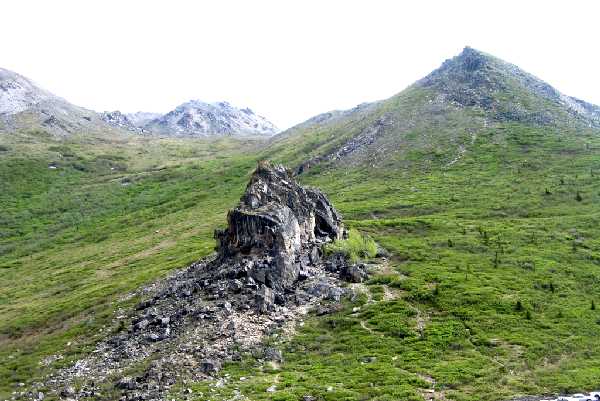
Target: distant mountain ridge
118 119
197 118
437 119
141 118
26 106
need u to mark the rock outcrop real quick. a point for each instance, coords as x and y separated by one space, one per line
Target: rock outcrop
268 273
118 119
278 227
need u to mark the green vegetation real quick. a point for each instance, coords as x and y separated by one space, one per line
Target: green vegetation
110 217
489 290
356 247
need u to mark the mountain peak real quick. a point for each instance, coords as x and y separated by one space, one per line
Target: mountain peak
469 62
441 114
469 59
25 106
18 93
198 118
475 78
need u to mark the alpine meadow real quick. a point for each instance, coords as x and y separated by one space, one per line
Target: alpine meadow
442 244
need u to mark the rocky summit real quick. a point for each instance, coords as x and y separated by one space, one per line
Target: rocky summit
199 119
269 271
118 119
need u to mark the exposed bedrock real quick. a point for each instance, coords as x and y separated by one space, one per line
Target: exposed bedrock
279 227
267 274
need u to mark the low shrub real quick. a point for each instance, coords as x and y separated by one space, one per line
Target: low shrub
356 247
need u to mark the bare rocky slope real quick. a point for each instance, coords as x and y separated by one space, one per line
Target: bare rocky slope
26 106
477 79
197 118
269 270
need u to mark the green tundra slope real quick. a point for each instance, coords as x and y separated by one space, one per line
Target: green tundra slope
484 183
489 290
84 221
481 181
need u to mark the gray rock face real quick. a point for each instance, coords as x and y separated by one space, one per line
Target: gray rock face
280 222
118 119
196 118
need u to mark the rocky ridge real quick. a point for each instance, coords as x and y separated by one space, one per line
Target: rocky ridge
268 272
439 117
197 118
118 119
26 106
474 78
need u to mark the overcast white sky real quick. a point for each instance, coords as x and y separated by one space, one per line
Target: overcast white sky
287 60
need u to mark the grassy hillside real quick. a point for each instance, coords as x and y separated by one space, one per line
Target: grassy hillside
484 190
489 292
84 222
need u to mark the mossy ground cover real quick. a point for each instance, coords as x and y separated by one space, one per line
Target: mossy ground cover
487 293
84 223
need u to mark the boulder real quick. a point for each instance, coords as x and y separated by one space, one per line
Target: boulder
67 392
265 299
273 354
210 366
355 273
325 290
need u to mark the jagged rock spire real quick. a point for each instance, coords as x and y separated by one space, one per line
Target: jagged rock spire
279 220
